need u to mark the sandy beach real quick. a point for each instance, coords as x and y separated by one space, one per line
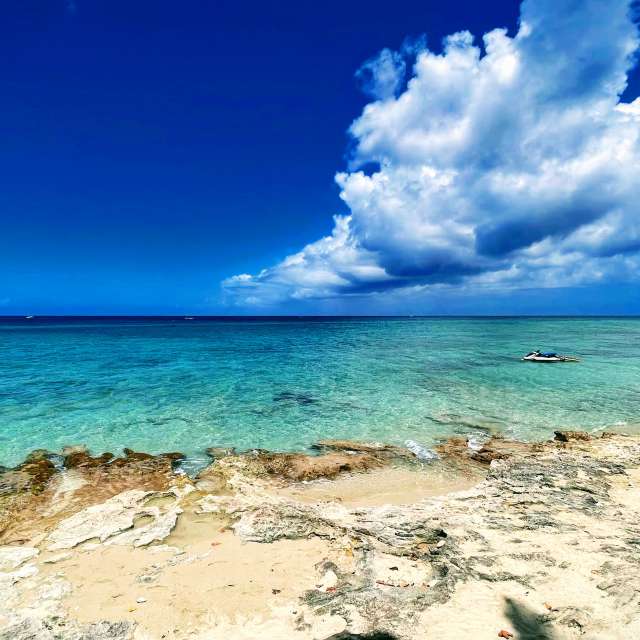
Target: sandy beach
360 541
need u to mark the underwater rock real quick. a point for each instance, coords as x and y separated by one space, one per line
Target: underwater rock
133 462
82 458
300 398
379 450
73 448
220 452
31 475
139 456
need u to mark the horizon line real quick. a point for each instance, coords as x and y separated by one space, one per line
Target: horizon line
300 316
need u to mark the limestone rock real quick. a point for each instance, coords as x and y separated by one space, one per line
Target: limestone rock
12 557
299 466
114 520
55 628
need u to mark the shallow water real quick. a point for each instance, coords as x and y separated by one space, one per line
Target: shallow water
160 385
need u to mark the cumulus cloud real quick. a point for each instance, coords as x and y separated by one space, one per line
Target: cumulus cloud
506 163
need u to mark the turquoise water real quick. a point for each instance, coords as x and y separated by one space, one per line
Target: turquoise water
282 384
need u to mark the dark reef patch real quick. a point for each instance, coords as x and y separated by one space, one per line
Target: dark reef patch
292 396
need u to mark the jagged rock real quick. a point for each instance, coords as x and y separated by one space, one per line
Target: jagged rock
82 458
530 489
569 436
299 466
31 475
455 448
139 456
113 522
543 514
495 448
14 481
37 455
499 448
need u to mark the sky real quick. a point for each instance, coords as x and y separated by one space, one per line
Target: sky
322 158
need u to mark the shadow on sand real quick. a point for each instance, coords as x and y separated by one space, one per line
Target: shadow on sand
527 625
376 635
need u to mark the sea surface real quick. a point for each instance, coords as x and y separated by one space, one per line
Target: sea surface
176 384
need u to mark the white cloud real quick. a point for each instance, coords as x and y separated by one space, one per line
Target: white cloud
512 165
381 77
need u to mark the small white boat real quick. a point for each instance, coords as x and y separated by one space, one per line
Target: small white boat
548 356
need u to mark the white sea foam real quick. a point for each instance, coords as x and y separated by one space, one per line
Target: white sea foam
421 452
475 443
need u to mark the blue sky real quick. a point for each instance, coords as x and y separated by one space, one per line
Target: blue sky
182 158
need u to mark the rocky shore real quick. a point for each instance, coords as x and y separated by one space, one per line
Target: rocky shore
522 540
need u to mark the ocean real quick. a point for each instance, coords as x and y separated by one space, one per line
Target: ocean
172 384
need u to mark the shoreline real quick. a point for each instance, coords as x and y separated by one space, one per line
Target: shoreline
193 464
356 538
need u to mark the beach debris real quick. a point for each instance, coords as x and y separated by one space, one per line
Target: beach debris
141 600
503 633
329 581
385 583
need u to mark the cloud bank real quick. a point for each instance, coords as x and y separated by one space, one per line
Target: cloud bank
506 164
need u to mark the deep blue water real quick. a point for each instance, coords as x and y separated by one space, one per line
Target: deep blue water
175 384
